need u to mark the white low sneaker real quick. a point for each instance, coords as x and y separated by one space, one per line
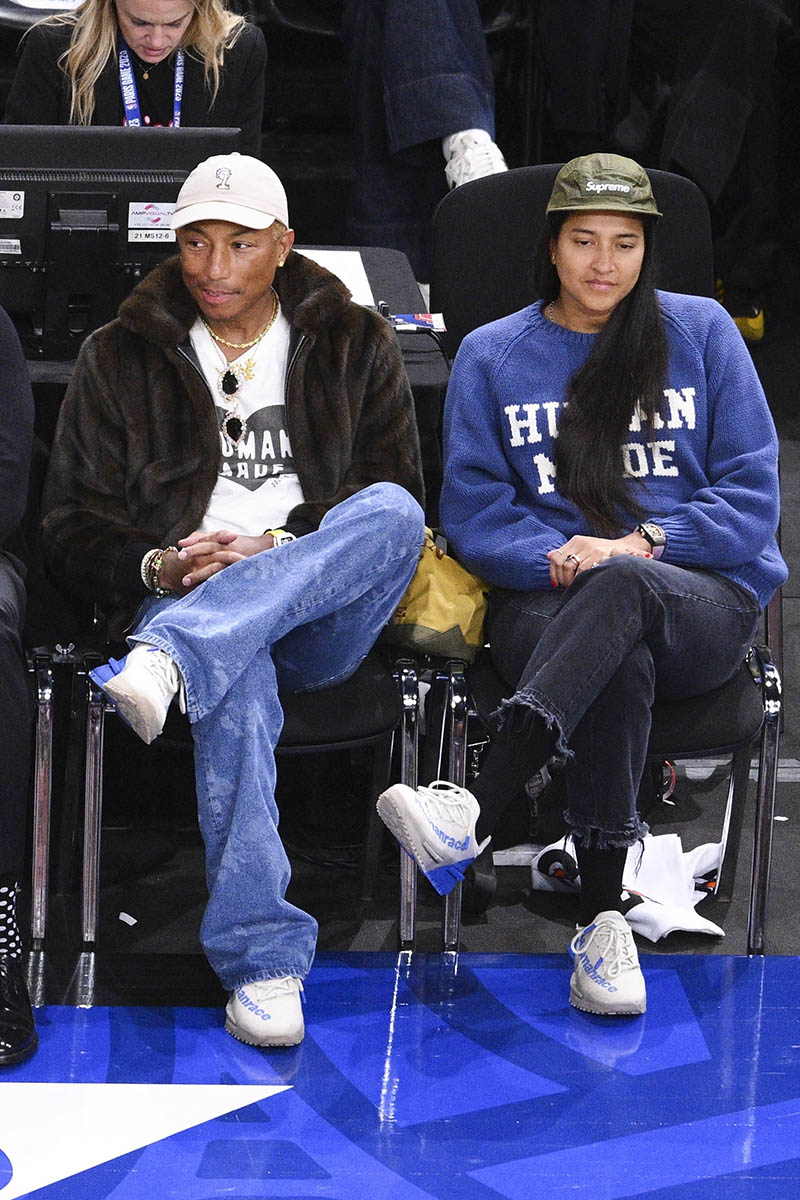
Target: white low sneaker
141 686
471 154
267 1013
436 826
607 979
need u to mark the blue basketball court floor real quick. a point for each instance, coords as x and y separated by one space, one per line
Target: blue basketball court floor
427 1075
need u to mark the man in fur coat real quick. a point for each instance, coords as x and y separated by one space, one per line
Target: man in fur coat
236 480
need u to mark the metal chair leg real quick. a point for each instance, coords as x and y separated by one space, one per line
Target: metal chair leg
381 774
765 807
93 810
408 682
42 795
732 826
451 917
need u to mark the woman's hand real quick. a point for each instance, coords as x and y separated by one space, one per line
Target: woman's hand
582 553
201 555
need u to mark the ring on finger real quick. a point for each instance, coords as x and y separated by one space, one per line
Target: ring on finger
573 558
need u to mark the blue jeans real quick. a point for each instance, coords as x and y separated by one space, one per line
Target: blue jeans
592 658
420 70
297 618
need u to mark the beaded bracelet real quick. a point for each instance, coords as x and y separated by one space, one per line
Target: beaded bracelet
152 563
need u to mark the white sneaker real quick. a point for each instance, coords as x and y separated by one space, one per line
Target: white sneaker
142 685
607 978
471 154
436 826
267 1013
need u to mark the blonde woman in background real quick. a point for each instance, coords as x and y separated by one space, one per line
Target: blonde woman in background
143 62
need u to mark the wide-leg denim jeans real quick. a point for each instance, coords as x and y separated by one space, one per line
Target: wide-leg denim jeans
592 658
296 618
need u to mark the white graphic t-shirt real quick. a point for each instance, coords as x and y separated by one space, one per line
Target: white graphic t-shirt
257 485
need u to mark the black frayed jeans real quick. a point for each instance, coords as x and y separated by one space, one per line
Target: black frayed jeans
591 659
16 721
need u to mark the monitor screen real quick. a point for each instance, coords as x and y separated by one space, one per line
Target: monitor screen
84 214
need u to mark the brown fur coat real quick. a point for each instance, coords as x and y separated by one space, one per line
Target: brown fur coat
137 448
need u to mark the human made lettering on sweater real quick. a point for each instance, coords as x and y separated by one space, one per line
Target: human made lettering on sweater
532 424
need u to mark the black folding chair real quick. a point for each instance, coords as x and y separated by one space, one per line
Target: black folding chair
485 234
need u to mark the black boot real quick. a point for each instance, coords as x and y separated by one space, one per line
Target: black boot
17 1031
18 1038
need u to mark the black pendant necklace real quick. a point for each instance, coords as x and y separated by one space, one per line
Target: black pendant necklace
234 427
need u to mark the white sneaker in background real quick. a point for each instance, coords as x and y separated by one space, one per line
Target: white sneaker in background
141 686
436 826
607 979
267 1013
471 154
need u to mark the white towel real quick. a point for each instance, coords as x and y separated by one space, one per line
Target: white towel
660 880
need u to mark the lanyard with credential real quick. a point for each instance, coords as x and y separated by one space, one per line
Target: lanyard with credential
130 96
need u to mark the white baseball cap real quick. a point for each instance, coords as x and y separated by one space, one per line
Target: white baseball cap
232 187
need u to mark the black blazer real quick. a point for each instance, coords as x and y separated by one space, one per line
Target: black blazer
40 92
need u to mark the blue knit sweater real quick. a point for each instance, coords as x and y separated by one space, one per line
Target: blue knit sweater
707 473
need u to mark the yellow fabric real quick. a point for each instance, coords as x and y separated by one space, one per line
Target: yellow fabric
443 609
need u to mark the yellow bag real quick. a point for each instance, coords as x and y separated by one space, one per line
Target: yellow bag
443 609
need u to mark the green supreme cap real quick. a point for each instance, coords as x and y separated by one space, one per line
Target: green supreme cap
604 182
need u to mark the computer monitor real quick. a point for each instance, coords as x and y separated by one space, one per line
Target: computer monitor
84 215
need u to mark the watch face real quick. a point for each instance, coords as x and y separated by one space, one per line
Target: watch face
654 533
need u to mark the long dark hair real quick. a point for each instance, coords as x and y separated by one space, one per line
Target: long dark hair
625 372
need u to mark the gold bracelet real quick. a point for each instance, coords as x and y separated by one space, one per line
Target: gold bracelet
144 568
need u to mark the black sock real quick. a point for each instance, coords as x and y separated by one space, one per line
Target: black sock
601 880
521 748
10 943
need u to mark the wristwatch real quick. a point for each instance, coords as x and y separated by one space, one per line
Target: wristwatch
280 537
655 535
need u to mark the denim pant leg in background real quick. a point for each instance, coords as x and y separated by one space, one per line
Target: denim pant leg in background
592 658
340 584
16 723
420 70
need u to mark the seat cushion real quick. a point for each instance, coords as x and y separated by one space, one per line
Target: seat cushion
364 706
716 721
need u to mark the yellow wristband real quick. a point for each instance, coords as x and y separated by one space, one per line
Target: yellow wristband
280 537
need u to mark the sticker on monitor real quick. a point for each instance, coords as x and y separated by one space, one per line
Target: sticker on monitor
12 205
149 222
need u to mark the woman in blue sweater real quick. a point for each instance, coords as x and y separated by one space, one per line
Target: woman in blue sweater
611 468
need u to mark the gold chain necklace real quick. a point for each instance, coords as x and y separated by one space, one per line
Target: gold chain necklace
253 341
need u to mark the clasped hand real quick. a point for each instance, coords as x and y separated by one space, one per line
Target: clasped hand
201 555
582 553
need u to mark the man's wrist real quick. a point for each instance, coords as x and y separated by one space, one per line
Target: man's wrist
150 570
280 537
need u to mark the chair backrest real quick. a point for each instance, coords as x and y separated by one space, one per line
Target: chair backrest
485 235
